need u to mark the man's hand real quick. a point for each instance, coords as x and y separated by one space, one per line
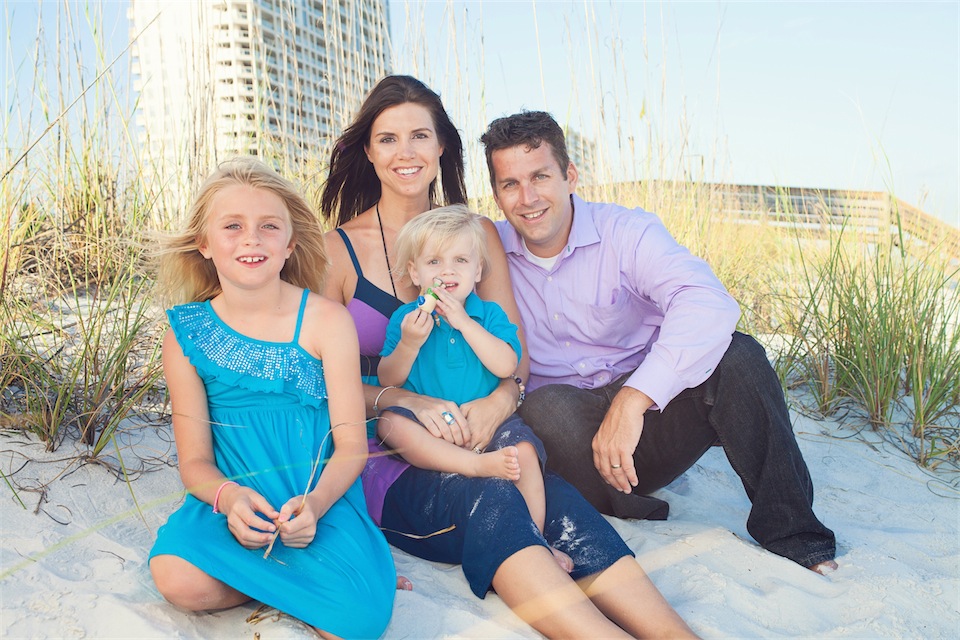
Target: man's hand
618 437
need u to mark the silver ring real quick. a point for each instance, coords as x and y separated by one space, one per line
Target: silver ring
614 466
477 450
448 417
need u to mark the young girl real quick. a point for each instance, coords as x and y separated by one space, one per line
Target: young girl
460 357
258 369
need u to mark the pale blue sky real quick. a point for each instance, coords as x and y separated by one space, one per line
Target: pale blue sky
860 95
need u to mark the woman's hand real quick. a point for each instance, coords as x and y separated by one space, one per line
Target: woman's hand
431 414
484 415
299 531
241 504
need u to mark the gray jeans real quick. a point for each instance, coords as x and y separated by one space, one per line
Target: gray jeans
741 407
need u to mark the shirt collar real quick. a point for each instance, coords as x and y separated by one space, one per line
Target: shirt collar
473 305
583 231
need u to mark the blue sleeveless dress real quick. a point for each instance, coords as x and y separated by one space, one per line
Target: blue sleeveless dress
268 408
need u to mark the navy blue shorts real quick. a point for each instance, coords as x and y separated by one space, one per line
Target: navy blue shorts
512 432
491 523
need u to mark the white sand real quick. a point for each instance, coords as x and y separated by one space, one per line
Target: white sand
77 568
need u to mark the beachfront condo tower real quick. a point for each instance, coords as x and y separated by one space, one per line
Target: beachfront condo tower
275 79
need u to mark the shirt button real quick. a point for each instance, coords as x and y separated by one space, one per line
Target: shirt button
567 343
556 316
549 278
582 365
453 341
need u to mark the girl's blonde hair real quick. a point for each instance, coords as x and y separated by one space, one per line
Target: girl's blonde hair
184 275
441 225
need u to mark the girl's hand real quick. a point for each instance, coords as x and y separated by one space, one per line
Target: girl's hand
299 531
415 327
451 309
241 505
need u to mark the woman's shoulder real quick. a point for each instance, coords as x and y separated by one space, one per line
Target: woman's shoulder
326 322
324 311
359 234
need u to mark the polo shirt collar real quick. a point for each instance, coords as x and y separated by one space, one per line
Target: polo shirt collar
473 305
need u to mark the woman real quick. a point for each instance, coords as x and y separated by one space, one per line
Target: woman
384 170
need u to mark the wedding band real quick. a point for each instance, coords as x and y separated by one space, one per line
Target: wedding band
448 417
477 450
614 466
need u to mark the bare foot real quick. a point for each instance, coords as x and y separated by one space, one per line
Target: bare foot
502 463
404 584
825 567
565 561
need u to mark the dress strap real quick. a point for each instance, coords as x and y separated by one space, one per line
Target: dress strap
303 305
353 255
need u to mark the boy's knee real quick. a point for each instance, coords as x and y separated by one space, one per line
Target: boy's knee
527 454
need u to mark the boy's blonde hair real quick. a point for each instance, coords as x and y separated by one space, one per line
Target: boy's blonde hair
441 225
184 275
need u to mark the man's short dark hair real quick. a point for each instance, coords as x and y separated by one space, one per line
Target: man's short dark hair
527 128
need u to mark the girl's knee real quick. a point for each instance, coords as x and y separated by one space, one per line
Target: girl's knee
179 582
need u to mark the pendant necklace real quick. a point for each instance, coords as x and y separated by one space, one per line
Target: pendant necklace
385 256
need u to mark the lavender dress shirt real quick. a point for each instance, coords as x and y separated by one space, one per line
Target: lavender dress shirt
622 296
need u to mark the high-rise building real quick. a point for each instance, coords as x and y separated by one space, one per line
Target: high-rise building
583 153
271 78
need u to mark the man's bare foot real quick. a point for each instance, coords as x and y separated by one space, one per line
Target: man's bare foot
404 584
565 561
502 463
825 567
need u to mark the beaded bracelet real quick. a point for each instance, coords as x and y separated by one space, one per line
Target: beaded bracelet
523 389
216 499
376 403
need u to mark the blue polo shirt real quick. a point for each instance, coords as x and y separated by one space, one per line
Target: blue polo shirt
446 366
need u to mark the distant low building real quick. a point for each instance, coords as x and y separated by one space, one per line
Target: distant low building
866 213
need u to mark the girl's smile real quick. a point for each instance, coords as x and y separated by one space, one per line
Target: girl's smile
248 232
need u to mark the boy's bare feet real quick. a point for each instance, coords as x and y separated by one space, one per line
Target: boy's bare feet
825 567
404 584
565 561
502 463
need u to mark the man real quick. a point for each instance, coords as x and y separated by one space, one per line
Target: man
636 369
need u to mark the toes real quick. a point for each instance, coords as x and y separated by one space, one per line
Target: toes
823 568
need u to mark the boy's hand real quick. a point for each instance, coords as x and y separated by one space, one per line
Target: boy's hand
415 328
451 309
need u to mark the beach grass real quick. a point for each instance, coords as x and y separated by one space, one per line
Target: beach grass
863 326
